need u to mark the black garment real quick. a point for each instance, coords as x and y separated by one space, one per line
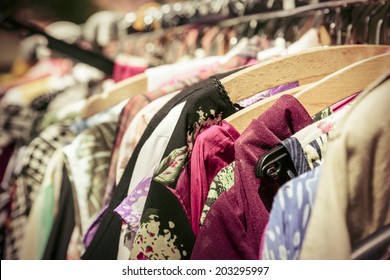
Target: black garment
205 107
104 245
64 223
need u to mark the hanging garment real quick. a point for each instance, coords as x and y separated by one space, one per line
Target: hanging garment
282 239
27 183
63 224
149 156
353 194
239 216
43 211
163 214
87 159
224 180
213 148
104 244
242 56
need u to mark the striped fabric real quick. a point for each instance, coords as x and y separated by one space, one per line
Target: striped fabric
87 162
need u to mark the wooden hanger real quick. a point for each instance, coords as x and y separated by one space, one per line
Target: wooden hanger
241 119
324 93
123 90
313 63
343 83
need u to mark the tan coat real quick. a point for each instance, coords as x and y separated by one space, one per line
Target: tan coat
353 198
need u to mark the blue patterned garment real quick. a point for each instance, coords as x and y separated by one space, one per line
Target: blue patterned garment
289 217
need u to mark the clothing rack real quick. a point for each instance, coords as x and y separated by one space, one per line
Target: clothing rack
211 12
289 12
71 50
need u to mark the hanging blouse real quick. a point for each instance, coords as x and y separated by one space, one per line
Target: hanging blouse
135 130
37 155
104 244
63 224
164 222
354 190
293 203
237 219
87 161
290 214
199 71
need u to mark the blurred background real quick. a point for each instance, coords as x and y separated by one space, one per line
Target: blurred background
44 12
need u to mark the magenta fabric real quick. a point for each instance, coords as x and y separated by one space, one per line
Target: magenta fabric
213 150
340 105
235 224
123 71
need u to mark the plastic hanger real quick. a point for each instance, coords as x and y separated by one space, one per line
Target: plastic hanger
123 90
277 163
313 63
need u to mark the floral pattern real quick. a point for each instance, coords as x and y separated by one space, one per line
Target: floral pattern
130 210
170 167
223 181
156 239
159 243
205 121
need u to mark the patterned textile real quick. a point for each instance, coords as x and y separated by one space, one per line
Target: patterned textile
352 200
289 217
15 123
243 57
241 214
87 160
222 182
43 211
150 155
265 94
127 209
27 183
165 231
315 132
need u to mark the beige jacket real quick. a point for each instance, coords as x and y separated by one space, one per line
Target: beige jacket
353 198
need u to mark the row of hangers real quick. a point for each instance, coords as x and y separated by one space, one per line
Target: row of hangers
138 84
74 51
346 22
326 75
363 22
